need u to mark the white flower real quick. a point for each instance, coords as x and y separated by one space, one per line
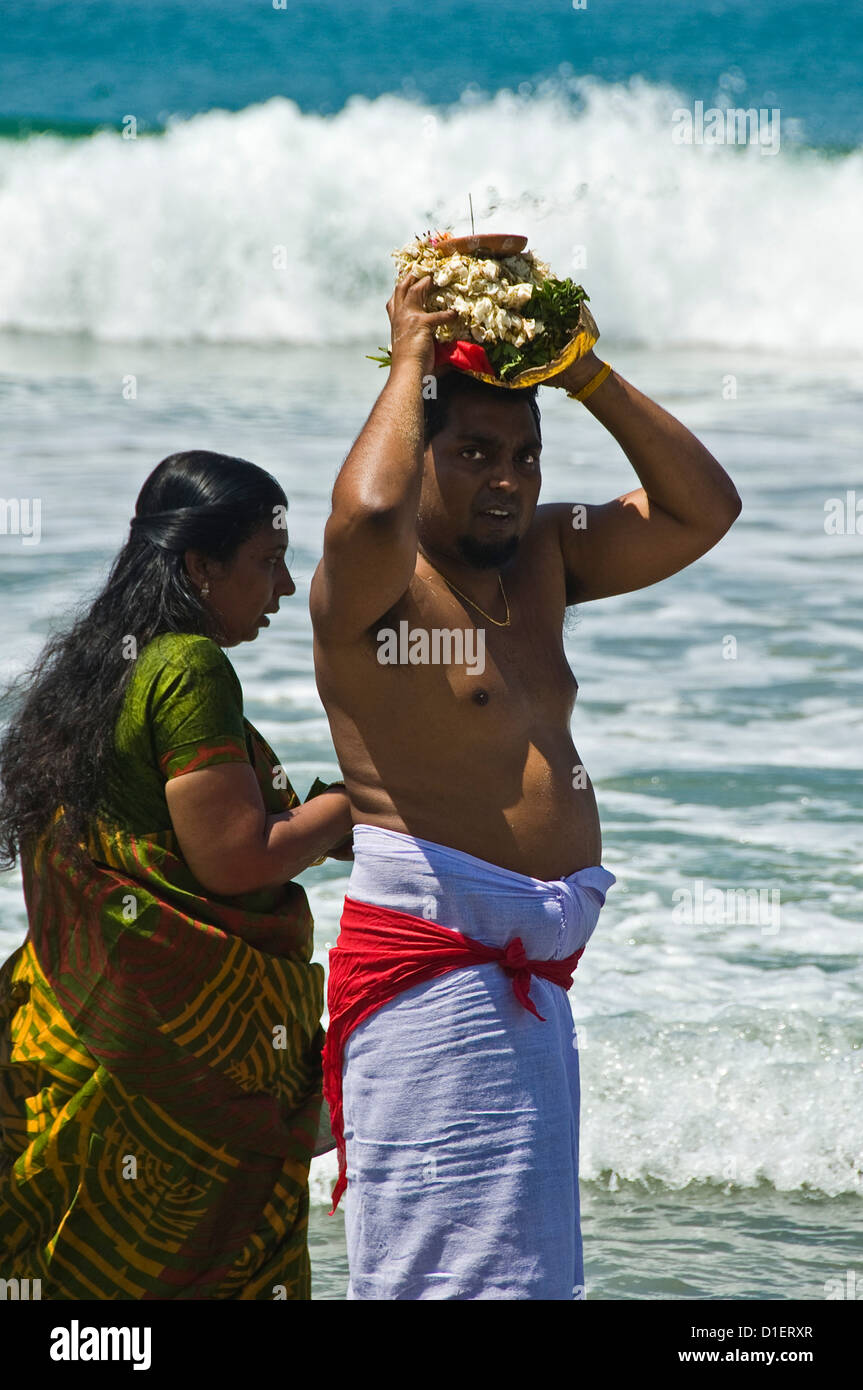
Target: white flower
444 275
486 294
520 294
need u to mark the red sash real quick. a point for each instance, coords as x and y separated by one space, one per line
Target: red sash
380 953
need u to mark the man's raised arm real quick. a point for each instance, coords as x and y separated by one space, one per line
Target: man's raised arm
370 541
685 505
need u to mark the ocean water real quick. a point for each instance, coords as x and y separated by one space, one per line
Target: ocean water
719 713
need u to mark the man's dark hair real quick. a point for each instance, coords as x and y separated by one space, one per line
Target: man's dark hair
455 383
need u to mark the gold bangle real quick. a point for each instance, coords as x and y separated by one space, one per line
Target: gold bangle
591 386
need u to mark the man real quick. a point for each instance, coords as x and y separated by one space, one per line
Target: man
452 1065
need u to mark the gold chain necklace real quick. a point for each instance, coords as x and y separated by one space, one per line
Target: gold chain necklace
496 621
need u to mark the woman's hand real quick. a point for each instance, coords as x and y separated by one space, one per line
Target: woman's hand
342 846
344 850
230 842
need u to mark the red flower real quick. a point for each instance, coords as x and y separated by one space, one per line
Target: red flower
467 357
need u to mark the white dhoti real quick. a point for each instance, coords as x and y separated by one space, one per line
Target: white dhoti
461 1108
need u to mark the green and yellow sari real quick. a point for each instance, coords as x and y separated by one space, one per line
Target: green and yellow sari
160 1069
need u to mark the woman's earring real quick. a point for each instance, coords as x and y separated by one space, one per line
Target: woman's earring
205 589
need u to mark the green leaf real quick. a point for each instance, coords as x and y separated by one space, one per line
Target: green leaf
386 360
557 304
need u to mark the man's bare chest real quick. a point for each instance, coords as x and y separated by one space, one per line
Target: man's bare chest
433 649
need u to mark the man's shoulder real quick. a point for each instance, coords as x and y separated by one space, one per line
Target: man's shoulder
543 552
560 528
543 539
318 597
551 516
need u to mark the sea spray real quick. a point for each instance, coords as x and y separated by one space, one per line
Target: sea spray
269 225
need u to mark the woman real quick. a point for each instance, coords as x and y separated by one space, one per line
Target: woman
160 1038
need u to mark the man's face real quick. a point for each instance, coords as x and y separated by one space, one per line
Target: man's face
481 481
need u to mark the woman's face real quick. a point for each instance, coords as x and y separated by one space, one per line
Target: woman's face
247 587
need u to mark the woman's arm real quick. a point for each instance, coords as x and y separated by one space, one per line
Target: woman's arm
230 842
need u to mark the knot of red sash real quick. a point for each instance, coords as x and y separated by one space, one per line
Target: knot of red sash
381 953
514 962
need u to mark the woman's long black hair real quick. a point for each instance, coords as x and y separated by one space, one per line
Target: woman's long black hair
59 746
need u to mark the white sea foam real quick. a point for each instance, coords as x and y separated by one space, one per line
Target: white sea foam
751 1097
172 237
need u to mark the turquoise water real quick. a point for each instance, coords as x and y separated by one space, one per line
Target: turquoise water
79 68
719 713
705 1244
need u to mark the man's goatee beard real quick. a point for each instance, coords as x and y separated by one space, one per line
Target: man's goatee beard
486 555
